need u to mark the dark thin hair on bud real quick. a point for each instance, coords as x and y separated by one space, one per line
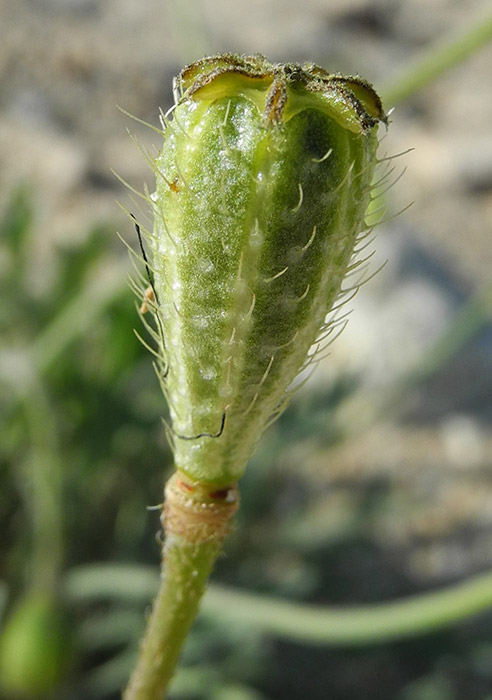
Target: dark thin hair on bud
200 435
144 256
151 283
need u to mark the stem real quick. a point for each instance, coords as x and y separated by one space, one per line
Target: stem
196 521
182 585
359 625
355 625
438 60
44 489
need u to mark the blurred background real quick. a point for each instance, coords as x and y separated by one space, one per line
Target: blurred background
376 483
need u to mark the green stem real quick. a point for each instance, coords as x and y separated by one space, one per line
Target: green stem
184 580
44 487
438 60
353 626
310 624
195 520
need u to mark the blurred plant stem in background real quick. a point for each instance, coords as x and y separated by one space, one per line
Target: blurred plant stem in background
35 649
358 625
438 59
42 482
40 479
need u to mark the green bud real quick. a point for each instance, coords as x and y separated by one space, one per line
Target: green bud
263 182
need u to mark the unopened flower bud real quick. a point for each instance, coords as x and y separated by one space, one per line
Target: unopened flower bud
263 182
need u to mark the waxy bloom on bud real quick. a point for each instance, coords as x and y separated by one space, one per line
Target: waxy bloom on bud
263 182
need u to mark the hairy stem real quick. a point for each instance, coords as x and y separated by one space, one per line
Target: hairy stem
182 586
196 520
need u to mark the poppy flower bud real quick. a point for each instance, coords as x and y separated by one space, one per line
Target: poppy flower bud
263 182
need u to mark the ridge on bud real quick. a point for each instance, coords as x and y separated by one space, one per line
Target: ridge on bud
263 181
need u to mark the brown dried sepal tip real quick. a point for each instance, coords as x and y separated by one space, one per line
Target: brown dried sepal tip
197 512
277 78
